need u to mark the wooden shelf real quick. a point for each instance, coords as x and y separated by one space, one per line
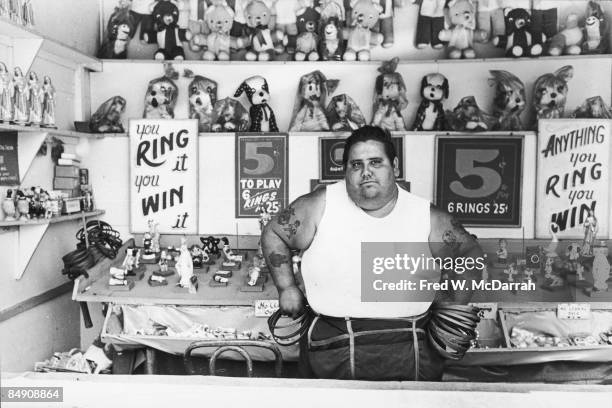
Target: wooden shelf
57 132
52 220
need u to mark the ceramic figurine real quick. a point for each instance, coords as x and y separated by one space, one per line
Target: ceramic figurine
253 273
160 99
20 98
153 231
509 101
462 33
308 113
430 115
163 262
502 251
511 271
361 37
28 13
202 94
390 97
590 234
197 256
184 265
261 114
6 104
573 255
228 254
23 206
8 206
211 244
167 35
35 100
147 253
48 106
343 114
550 93
130 263
552 280
107 119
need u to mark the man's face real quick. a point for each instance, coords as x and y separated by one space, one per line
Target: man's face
370 175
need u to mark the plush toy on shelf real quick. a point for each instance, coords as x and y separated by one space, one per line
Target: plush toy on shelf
519 40
361 37
569 40
119 30
308 113
468 117
509 101
596 30
550 93
48 109
343 114
593 108
230 116
462 33
490 17
141 12
307 41
430 115
390 97
6 104
160 99
20 97
167 34
218 41
261 39
35 100
107 118
429 23
258 93
285 12
202 98
385 20
331 42
543 18
332 9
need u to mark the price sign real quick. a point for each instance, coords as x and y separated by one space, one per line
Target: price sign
478 179
574 311
262 174
265 308
487 310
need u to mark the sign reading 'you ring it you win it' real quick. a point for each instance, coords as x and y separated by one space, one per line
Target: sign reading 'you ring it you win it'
164 175
262 174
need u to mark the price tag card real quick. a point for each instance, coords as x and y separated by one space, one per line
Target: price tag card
573 311
265 308
487 310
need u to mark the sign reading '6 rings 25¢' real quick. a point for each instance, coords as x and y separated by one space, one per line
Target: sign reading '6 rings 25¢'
479 180
262 174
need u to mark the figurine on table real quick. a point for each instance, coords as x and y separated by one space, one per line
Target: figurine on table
229 255
511 271
573 255
154 232
146 247
601 268
35 100
197 256
590 233
253 273
130 263
184 265
552 279
528 274
163 264
502 251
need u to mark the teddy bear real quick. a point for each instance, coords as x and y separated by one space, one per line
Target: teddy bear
361 37
285 12
307 41
519 40
569 40
263 41
429 23
331 43
462 33
595 30
167 35
240 27
218 42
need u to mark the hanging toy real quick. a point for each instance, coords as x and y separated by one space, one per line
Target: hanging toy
390 97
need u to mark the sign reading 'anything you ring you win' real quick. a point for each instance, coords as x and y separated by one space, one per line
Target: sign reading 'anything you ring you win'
262 174
164 175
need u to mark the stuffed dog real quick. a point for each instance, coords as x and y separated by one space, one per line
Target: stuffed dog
593 108
263 41
202 98
550 93
430 115
107 118
261 115
343 114
230 116
390 98
312 94
509 101
160 99
468 117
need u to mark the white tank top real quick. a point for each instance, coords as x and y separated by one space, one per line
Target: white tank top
331 267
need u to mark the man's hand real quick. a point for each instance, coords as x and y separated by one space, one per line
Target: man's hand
291 301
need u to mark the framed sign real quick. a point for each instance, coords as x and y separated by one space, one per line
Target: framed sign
164 175
573 176
331 150
9 159
262 174
479 179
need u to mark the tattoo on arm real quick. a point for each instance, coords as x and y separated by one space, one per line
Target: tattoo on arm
285 221
291 229
285 215
277 259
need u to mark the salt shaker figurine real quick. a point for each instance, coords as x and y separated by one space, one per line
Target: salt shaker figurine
502 251
6 105
254 272
590 233
8 206
20 98
35 100
48 107
184 265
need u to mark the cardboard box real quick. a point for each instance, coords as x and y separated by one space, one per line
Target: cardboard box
67 171
65 183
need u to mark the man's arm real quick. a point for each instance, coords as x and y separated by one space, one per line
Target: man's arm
448 239
292 229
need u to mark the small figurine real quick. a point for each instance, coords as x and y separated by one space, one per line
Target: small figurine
579 272
468 117
147 253
509 101
390 97
462 33
8 206
216 40
361 37
343 114
202 97
258 93
253 273
569 40
35 100
430 115
593 108
550 93
595 30
519 40
511 271
167 35
528 274
331 43
154 232
552 280
230 116
23 206
263 41
184 265
211 244
131 263
590 233
502 251
307 41
573 255
6 104
485 270
118 277
160 99
430 22
163 263
20 98
308 113
197 256
119 30
48 108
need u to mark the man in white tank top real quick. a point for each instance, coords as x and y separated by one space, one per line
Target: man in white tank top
329 225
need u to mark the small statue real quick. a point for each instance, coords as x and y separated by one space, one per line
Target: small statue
107 118
552 279
184 265
601 267
131 263
6 105
35 100
228 254
502 251
20 98
153 231
48 107
197 256
163 262
579 272
590 233
511 271
148 254
254 273
8 206
528 273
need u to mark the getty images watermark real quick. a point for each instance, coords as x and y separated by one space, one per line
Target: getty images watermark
407 272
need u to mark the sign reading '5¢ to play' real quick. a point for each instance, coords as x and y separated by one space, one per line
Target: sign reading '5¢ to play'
262 172
478 179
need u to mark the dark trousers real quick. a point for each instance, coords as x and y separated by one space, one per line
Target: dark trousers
544 22
428 29
145 21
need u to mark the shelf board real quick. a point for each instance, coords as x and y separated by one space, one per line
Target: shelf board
16 31
56 132
52 220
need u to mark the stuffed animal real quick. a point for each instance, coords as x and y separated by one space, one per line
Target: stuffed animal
364 16
569 40
196 23
343 114
593 108
261 115
308 114
462 33
140 11
385 20
202 98
218 41
332 9
430 115
230 116
509 101
519 41
167 34
468 117
543 19
390 97
595 30
107 118
429 23
331 43
261 39
119 30
307 41
490 17
285 22
160 99
240 27
550 93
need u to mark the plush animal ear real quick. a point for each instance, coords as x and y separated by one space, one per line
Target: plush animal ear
265 86
424 83
445 87
242 88
332 84
566 73
507 11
